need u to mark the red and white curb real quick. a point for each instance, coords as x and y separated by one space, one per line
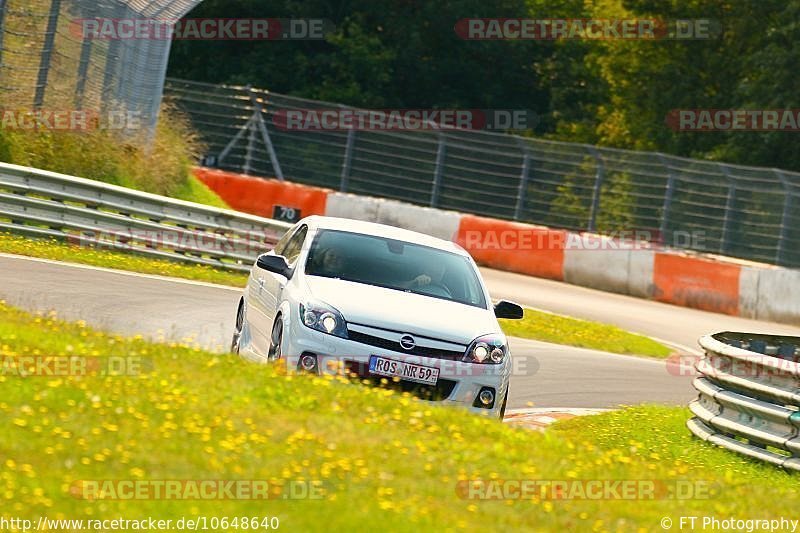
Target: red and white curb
539 418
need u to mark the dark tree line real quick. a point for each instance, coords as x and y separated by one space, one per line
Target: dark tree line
405 53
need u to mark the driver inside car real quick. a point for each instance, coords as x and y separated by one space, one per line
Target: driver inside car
329 262
432 274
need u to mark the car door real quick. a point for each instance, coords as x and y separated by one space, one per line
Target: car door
268 289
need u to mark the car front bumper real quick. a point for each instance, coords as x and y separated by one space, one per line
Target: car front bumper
458 383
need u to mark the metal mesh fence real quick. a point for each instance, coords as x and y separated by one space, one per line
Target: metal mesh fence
745 212
48 62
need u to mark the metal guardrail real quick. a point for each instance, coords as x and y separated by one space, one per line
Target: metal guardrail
749 399
39 203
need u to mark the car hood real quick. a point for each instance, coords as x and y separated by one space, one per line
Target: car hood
404 311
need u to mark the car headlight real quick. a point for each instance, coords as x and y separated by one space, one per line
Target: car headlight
324 318
487 350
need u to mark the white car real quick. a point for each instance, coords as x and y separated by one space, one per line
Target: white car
382 303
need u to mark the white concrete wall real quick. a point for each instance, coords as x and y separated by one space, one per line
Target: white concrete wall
441 224
778 295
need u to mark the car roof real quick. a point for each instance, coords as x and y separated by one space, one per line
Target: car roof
381 230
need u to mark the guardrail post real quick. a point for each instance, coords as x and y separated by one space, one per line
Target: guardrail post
348 159
727 221
788 202
667 205
47 53
523 185
599 177
437 173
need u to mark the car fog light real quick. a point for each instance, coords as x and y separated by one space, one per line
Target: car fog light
486 397
308 362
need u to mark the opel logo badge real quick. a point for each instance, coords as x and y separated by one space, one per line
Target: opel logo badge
407 342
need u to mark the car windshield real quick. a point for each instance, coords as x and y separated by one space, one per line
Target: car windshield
395 264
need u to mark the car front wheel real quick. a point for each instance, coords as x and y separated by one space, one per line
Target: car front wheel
276 341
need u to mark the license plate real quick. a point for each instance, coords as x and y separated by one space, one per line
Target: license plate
382 366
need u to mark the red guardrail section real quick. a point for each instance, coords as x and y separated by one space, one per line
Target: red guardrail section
514 247
697 282
259 196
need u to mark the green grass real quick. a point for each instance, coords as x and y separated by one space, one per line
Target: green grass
60 251
558 329
194 190
386 461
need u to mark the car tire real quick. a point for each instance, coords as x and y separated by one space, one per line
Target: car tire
503 407
276 340
237 333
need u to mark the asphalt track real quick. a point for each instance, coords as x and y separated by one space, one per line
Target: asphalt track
549 376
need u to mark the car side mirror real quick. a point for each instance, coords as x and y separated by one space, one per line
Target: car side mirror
506 309
273 263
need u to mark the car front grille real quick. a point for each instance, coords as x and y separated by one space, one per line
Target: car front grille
388 344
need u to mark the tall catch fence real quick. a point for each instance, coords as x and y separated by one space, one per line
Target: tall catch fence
50 62
746 212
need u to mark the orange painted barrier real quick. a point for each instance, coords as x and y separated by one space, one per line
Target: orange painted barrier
260 196
696 282
532 250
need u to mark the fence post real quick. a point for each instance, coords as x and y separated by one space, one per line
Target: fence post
523 184
258 121
348 159
3 4
788 202
251 137
236 138
83 70
47 53
437 173
112 61
668 194
727 221
598 187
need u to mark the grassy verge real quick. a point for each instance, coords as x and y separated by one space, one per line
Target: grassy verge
60 251
559 329
161 165
382 459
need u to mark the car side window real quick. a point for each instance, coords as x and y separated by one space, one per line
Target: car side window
294 246
280 246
